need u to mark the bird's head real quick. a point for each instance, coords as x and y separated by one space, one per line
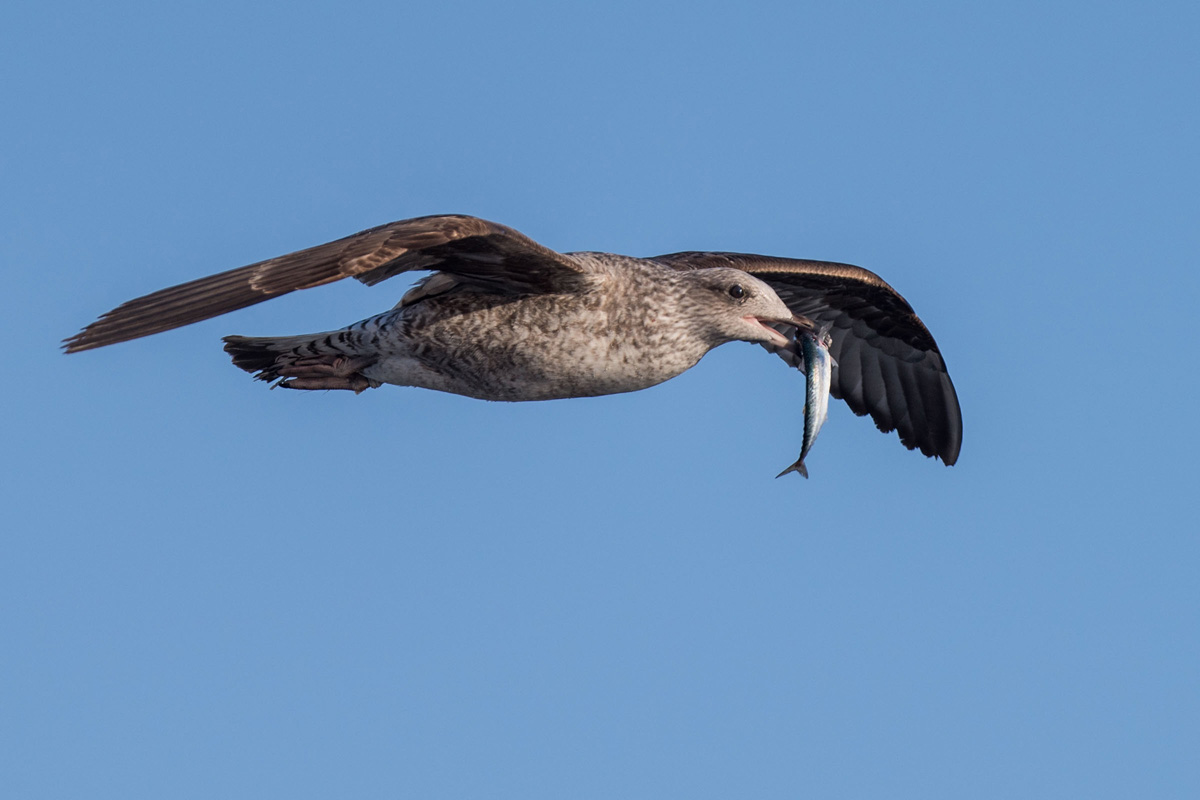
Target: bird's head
737 306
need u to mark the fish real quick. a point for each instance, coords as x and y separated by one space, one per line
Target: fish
818 369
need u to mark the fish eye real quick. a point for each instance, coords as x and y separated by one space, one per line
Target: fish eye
737 291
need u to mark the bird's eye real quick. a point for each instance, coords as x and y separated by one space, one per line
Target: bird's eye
737 291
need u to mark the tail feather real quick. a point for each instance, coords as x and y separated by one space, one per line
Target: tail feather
253 355
312 361
264 355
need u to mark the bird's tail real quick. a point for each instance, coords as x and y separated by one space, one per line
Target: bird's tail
311 361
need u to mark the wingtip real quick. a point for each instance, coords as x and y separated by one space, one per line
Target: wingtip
89 339
76 344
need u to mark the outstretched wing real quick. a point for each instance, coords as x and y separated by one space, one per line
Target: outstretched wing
888 364
491 256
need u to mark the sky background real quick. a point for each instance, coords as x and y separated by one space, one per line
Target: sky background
211 590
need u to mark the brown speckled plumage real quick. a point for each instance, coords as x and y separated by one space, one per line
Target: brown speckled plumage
503 318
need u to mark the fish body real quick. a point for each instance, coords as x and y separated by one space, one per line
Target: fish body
818 368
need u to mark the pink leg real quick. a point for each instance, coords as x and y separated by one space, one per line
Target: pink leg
326 372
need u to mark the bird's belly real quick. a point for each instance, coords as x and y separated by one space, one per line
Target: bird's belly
533 367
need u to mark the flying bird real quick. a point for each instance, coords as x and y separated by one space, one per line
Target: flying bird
501 317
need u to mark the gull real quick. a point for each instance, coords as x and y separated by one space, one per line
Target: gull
501 317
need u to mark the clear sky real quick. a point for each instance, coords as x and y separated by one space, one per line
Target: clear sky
211 590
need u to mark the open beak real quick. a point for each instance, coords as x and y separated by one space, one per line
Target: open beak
779 339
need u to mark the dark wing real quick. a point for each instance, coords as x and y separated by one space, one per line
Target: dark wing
491 256
888 364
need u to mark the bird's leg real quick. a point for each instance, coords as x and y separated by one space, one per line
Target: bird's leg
326 372
355 383
338 365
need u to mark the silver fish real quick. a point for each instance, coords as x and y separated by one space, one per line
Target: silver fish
818 369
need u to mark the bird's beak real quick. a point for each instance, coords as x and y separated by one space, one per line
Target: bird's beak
781 339
803 323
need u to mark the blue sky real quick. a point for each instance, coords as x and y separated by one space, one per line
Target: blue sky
212 590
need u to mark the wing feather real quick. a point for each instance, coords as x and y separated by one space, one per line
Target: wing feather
488 255
889 365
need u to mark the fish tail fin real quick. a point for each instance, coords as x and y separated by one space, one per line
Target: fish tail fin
797 467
